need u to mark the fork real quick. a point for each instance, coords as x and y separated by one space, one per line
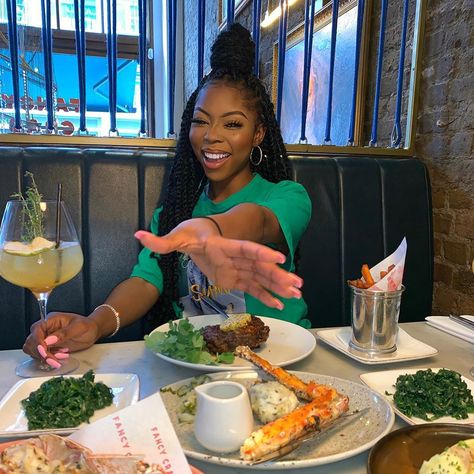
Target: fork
215 306
340 422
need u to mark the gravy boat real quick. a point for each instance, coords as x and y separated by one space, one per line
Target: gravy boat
223 415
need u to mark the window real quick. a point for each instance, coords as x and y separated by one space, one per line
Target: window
65 75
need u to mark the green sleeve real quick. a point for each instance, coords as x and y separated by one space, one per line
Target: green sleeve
147 267
291 205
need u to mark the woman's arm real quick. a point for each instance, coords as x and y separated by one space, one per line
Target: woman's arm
230 263
249 221
132 299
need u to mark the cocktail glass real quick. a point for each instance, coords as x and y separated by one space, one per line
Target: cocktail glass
39 251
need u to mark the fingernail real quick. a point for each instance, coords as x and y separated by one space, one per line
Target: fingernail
279 306
63 349
299 284
139 234
51 340
53 363
61 355
42 351
296 293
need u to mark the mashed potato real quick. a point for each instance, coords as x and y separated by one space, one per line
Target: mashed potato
271 400
458 459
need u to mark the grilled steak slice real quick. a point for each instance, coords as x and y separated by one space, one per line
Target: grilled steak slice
252 334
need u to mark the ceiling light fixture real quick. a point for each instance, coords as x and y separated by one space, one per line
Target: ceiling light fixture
270 18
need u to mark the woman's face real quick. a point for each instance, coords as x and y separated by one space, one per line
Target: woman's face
223 132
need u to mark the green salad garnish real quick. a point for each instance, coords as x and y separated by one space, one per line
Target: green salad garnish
183 342
430 395
187 397
65 402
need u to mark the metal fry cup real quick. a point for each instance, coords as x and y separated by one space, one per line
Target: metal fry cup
374 320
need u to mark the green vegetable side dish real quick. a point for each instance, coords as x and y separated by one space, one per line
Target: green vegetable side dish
66 402
183 342
430 395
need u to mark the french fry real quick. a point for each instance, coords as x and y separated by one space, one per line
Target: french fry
367 275
358 284
368 280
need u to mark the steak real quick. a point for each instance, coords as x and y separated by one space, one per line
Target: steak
252 334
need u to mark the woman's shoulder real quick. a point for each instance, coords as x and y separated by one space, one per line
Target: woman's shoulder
285 186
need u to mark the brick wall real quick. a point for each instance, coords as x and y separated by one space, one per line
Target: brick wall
444 139
445 143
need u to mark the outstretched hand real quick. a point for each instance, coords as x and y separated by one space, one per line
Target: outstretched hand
233 264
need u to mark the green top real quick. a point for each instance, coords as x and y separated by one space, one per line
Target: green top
291 205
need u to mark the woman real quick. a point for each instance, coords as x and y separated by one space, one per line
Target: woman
228 192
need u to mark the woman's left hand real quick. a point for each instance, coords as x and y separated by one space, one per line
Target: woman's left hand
233 264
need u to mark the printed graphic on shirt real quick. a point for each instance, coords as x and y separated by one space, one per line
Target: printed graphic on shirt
199 285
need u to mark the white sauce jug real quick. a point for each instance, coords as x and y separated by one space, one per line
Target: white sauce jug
223 415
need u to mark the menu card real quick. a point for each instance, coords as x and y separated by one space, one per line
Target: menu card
142 429
393 280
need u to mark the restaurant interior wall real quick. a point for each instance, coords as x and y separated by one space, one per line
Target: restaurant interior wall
444 142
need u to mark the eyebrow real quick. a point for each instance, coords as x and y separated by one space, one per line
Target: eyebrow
233 112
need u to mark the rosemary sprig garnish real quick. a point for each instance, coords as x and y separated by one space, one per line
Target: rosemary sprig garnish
31 209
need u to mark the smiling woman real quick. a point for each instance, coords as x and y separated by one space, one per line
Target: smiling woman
230 164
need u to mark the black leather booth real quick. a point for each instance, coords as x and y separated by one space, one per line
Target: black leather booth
362 208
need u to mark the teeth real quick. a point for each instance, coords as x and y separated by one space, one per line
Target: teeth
215 156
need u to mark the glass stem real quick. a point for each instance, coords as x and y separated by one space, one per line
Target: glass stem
42 299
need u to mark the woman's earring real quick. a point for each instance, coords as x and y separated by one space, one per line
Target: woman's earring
260 158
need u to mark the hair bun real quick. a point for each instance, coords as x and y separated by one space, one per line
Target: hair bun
233 51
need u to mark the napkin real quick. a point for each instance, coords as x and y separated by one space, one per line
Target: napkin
452 327
141 429
393 280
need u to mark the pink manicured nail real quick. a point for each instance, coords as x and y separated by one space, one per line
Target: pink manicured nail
61 355
53 363
51 340
139 234
296 293
42 351
63 349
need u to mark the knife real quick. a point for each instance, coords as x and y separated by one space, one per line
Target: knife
464 321
340 422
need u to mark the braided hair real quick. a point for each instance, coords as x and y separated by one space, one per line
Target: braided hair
232 57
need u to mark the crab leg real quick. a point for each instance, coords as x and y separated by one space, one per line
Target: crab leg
273 436
307 391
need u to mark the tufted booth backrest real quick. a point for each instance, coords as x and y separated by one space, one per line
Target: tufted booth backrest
362 208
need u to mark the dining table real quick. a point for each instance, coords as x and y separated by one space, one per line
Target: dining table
154 373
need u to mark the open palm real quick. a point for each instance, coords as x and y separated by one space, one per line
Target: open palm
233 264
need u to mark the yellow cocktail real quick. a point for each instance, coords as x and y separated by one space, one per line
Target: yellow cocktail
41 272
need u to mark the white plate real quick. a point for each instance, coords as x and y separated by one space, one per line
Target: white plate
408 348
286 344
349 440
385 381
444 323
14 424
